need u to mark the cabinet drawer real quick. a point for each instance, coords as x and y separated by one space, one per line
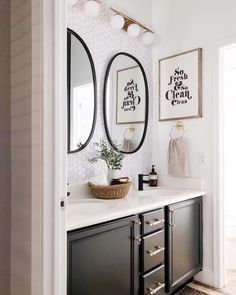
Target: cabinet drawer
153 249
153 282
152 221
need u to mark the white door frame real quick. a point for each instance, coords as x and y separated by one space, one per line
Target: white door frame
219 268
218 222
54 146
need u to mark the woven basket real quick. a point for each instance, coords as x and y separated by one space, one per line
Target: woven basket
118 191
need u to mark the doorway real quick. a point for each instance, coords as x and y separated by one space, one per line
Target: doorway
228 76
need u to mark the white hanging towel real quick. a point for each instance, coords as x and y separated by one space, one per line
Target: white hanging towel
177 158
127 145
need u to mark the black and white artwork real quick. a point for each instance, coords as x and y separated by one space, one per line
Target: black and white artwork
180 86
130 94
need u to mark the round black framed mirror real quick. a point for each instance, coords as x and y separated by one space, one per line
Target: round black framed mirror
82 93
126 103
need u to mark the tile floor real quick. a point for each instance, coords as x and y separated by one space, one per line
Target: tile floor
230 288
231 283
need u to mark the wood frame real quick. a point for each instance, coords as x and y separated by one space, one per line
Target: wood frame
125 123
199 50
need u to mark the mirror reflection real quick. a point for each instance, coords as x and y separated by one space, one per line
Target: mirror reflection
126 103
81 93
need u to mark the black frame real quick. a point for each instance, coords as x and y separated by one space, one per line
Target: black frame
69 33
105 101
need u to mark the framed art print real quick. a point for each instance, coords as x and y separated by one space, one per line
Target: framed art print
130 96
180 86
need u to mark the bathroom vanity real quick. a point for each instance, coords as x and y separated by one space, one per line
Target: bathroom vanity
149 242
152 245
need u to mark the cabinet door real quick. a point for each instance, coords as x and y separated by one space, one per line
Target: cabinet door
103 260
184 242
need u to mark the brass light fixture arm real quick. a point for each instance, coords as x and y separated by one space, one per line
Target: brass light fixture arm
129 21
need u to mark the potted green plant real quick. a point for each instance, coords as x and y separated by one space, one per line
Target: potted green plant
112 158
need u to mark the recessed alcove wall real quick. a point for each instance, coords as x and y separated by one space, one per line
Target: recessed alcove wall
104 42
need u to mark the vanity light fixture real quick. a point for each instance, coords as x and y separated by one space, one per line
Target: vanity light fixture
71 2
92 8
117 22
147 38
134 28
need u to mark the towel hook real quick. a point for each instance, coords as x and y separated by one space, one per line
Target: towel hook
179 126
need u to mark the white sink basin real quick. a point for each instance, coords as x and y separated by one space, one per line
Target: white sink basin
86 200
89 207
157 192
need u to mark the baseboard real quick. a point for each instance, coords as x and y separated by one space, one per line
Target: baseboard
205 277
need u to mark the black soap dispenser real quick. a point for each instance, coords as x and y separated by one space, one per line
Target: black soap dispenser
153 177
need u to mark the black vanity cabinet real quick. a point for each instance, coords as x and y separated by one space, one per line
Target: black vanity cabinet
184 242
104 259
153 253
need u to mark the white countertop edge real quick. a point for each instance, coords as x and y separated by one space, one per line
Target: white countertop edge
109 216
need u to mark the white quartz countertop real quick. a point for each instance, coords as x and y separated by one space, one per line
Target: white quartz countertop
90 211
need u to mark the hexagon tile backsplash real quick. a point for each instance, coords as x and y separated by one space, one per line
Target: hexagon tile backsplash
104 42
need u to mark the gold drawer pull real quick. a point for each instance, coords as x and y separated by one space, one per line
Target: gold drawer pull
137 222
157 251
155 222
154 291
138 239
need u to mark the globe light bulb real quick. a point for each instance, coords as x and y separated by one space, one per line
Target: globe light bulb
148 38
92 8
133 30
117 22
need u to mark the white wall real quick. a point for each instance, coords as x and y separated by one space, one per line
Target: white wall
184 25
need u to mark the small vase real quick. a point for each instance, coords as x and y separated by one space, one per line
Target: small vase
112 174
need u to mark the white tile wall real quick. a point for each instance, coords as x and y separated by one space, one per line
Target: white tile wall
103 42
